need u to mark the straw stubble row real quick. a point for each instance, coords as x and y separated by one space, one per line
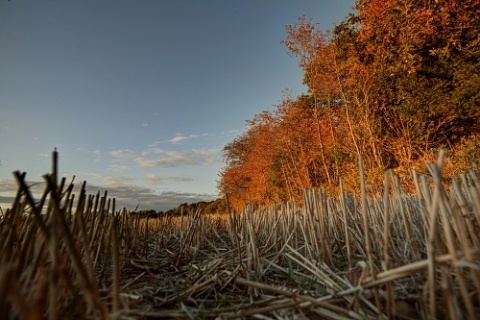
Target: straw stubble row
387 254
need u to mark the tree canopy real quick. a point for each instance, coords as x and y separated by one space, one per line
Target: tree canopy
394 82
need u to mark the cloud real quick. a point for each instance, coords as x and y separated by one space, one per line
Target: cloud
92 155
156 179
98 155
173 158
9 189
10 186
5 202
179 138
161 158
7 185
156 150
118 167
127 194
156 143
122 154
114 181
104 180
231 132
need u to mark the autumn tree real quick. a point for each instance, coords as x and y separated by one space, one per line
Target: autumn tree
248 159
393 81
341 88
425 57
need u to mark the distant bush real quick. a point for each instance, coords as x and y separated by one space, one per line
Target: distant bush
217 206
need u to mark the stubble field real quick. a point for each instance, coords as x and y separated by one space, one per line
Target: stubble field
384 254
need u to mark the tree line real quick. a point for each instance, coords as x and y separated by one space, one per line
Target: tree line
217 206
394 81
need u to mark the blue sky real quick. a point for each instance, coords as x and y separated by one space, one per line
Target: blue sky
139 97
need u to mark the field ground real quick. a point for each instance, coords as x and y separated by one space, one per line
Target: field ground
394 255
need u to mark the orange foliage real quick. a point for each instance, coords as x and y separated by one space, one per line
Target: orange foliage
364 80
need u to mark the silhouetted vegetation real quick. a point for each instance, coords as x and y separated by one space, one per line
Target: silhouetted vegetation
217 206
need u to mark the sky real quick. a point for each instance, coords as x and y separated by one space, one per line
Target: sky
140 97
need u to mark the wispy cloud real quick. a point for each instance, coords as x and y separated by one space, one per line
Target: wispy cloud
156 143
231 132
179 138
118 167
123 154
155 150
98 154
8 190
173 158
154 179
9 186
161 158
92 155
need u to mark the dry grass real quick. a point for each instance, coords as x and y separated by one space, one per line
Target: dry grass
388 254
